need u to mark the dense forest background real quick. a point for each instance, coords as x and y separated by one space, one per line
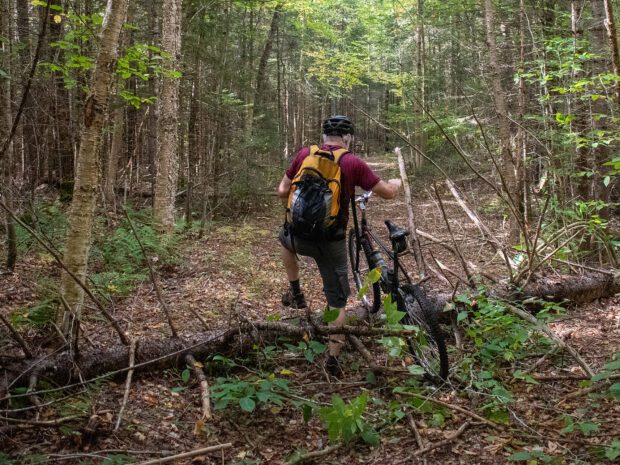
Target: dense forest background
131 130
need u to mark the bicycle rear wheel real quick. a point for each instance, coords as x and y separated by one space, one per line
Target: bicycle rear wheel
359 254
429 346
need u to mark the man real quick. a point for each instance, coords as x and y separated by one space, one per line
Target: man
330 255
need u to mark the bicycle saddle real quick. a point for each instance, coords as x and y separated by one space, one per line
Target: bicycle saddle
396 233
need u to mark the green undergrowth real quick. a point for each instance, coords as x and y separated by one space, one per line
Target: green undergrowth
492 371
116 261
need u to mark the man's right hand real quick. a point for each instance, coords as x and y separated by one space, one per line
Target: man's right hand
396 182
387 190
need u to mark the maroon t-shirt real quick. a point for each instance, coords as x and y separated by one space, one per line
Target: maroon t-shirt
354 171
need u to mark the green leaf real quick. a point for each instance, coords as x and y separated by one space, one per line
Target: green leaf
330 315
247 404
307 412
614 365
370 436
518 456
374 276
615 390
606 181
185 375
416 370
588 427
614 450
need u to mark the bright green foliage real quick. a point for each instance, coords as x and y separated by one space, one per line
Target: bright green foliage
250 392
122 258
534 457
345 420
310 349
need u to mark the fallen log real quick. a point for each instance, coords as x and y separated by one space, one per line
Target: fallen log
153 354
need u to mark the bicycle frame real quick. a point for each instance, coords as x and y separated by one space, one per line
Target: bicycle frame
390 280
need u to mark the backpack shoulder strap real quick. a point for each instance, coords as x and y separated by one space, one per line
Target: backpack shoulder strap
314 149
338 154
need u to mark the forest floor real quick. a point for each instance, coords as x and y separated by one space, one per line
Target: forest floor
235 270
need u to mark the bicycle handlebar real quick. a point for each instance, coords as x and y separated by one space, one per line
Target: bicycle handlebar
364 198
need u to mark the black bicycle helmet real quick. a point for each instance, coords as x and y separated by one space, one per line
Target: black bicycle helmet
338 125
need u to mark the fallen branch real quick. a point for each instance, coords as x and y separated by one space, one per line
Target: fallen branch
450 439
470 280
546 330
355 342
414 242
315 454
456 408
160 297
132 361
121 334
16 336
416 431
187 455
204 386
484 230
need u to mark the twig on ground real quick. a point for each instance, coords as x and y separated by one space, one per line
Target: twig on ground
17 337
204 386
455 408
160 297
542 359
315 454
187 455
444 442
132 361
416 431
355 342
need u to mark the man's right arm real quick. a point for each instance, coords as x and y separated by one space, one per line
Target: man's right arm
387 189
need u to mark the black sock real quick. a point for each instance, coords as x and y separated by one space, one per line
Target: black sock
295 287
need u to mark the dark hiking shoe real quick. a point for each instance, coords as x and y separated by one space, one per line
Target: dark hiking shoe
294 300
332 366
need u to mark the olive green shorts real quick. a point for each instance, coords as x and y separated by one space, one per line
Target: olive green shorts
331 259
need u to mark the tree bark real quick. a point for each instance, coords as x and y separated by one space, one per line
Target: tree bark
113 158
5 125
610 26
81 213
508 162
167 153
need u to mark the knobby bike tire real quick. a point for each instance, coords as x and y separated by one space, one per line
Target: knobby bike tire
372 301
429 347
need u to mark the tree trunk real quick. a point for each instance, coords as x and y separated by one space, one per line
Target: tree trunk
508 163
6 163
81 214
113 157
167 153
610 26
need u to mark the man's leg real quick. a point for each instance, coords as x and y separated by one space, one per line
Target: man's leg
293 296
337 340
291 265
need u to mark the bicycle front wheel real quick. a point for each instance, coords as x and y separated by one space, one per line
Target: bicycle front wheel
428 347
359 253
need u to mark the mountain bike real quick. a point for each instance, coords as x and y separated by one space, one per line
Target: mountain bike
366 252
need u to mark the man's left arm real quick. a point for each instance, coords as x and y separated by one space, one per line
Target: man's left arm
284 187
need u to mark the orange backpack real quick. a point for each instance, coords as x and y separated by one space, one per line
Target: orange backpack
313 207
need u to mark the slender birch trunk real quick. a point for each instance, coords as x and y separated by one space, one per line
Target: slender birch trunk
81 214
167 153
